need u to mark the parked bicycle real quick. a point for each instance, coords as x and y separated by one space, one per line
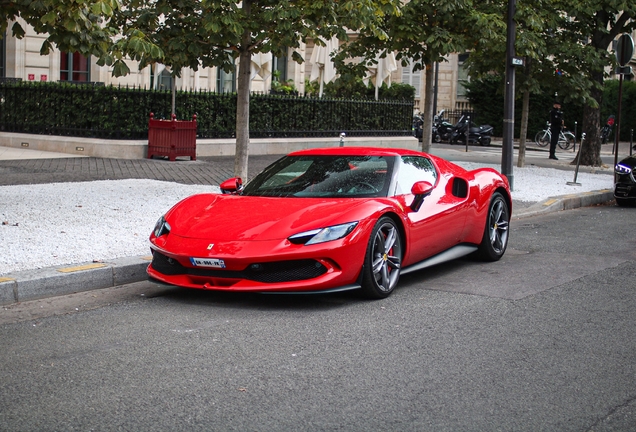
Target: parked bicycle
543 138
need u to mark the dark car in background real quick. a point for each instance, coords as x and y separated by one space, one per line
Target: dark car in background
625 186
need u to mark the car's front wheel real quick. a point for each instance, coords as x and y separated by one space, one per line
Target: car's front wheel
383 260
624 202
495 239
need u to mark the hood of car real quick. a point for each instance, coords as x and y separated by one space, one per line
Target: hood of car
237 218
629 161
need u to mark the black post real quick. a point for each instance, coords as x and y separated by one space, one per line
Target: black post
617 135
435 93
467 131
509 102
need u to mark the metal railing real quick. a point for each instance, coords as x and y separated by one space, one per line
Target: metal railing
122 113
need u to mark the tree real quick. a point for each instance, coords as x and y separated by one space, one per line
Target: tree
275 26
585 36
424 33
79 26
534 43
175 27
223 32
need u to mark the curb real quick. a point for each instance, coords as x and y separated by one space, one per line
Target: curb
567 202
58 281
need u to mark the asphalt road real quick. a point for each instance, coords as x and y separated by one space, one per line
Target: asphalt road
543 340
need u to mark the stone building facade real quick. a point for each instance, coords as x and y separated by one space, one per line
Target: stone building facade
21 59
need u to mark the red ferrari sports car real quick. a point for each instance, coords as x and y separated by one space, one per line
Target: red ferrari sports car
333 219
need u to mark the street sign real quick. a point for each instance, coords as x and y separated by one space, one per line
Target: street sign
517 61
624 49
624 70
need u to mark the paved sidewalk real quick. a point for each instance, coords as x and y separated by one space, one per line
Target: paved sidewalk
23 166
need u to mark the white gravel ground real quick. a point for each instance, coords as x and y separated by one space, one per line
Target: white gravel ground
70 223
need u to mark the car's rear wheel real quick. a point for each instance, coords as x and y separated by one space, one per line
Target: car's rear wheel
383 260
495 239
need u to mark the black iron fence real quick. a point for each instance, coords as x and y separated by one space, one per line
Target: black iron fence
122 113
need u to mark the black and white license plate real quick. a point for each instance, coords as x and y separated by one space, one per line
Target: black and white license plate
208 262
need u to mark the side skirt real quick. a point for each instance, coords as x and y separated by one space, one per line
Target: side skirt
448 255
332 290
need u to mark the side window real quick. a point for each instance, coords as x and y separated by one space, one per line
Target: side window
414 169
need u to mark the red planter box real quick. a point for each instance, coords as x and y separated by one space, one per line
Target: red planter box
172 138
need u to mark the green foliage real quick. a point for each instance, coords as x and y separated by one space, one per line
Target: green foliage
628 106
84 26
123 113
486 98
351 87
282 87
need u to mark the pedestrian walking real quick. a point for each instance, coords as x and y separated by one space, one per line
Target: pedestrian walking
556 123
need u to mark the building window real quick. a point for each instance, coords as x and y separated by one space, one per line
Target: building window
462 75
226 81
74 67
280 65
161 79
412 78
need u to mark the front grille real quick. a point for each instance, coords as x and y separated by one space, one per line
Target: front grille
270 272
625 190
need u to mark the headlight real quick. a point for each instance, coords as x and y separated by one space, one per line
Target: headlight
161 227
622 169
323 235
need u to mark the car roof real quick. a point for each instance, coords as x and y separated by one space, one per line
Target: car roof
357 151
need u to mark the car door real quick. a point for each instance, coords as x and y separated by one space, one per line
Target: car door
439 223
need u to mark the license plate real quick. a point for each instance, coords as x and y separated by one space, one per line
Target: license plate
208 262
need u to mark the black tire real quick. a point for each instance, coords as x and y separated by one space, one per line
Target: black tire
495 240
622 202
485 141
566 143
542 138
383 260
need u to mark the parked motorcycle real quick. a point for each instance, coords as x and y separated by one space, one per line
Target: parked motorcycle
606 131
476 134
441 128
418 124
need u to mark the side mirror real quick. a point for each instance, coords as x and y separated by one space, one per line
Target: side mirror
421 190
232 186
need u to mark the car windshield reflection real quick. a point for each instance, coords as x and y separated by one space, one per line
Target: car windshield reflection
324 176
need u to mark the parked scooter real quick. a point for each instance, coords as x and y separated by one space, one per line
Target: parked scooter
606 131
441 128
418 124
476 134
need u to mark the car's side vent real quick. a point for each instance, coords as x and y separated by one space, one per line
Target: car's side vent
460 187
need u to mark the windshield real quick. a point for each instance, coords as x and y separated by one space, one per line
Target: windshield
324 176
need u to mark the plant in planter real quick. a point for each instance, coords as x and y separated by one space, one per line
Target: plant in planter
282 87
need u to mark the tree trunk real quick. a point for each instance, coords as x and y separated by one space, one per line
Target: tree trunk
523 133
243 103
427 127
591 150
173 100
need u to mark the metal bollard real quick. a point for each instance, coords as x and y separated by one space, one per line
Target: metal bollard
578 162
342 136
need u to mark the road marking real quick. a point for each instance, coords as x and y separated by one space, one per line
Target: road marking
81 268
549 202
6 279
